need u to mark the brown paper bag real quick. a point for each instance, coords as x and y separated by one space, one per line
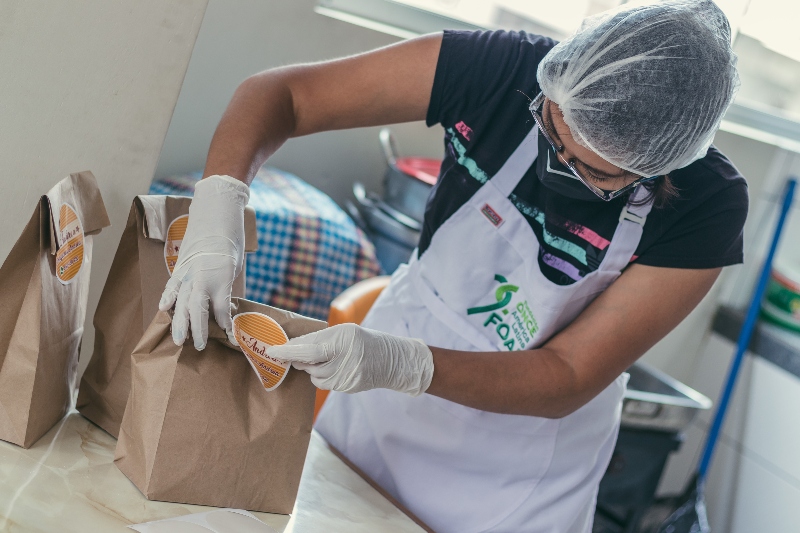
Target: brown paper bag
44 284
141 268
200 428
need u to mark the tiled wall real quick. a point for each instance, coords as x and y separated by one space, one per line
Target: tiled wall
754 482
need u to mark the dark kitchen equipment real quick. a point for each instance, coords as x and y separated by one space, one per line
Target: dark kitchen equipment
408 180
655 410
628 487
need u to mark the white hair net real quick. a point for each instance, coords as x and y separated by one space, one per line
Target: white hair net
645 86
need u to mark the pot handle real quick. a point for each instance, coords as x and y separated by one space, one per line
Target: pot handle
402 218
352 210
389 145
371 201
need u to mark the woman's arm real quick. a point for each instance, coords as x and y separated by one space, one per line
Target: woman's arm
388 85
573 367
392 84
634 313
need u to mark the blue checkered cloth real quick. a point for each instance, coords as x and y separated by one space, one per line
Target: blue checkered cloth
309 250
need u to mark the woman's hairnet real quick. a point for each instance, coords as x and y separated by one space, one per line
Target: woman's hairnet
645 86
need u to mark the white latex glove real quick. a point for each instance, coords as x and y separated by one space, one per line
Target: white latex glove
210 258
349 358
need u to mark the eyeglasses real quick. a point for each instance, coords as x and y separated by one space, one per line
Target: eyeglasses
559 148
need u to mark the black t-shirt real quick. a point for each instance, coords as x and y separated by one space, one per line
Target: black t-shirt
481 92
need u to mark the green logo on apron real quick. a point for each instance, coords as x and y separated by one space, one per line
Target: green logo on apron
503 294
519 332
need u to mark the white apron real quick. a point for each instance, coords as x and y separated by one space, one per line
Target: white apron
478 287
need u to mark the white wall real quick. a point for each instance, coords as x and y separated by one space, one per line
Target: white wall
241 37
87 85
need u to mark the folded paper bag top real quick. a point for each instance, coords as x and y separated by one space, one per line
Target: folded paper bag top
199 427
44 285
141 268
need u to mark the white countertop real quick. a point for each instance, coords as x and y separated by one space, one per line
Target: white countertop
67 482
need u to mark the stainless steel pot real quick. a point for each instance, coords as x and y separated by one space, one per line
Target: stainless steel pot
402 191
394 234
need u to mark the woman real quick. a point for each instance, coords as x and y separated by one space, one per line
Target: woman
579 216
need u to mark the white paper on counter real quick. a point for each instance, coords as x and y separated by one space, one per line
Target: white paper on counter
217 521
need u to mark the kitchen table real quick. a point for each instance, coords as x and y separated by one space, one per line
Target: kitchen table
67 482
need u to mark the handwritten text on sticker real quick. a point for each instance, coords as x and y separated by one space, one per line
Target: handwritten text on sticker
69 257
255 332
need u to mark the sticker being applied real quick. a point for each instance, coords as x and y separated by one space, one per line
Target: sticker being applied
255 333
69 257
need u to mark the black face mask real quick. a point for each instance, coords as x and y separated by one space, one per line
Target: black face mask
557 177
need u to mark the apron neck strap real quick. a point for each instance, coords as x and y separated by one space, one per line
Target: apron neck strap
629 231
515 167
631 221
637 208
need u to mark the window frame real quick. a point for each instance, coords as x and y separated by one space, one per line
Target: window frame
406 22
400 20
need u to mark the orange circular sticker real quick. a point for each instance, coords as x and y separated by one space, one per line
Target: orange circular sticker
69 257
175 233
255 332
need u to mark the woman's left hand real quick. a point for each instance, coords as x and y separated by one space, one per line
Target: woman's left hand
349 358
